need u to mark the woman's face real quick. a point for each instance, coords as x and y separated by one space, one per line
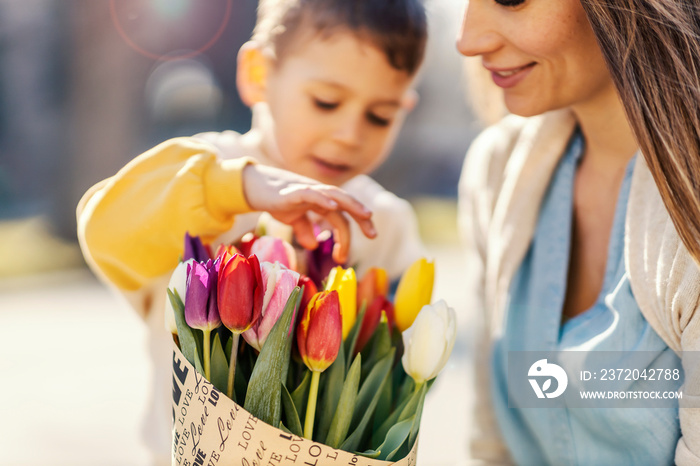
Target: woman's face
542 53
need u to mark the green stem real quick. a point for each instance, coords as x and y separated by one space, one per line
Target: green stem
418 386
207 354
311 406
232 364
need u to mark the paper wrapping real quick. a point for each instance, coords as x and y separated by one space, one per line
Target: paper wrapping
209 429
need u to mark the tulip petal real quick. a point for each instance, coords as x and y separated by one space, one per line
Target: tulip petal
324 334
197 295
236 294
178 283
425 344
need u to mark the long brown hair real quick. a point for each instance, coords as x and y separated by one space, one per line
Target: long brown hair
652 49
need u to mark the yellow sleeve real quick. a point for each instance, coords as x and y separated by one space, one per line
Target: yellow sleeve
131 226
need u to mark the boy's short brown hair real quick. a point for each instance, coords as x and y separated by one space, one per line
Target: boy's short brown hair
397 27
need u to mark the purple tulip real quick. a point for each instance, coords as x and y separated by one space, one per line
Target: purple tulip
278 284
201 311
194 249
320 261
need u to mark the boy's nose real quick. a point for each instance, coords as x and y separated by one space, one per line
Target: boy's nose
348 132
476 36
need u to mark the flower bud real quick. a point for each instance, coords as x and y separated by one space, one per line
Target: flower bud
415 291
319 333
344 282
429 341
240 292
278 283
178 283
201 311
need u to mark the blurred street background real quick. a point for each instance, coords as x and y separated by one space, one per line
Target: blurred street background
85 86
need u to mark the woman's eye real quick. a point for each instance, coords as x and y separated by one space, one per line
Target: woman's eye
325 105
377 120
509 2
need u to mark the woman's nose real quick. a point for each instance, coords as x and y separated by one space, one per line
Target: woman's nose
477 36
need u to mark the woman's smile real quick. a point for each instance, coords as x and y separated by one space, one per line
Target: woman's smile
509 77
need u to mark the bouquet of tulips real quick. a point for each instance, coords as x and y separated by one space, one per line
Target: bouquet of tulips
332 368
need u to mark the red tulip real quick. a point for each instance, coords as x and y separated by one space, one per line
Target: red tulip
320 331
224 253
309 291
240 292
371 320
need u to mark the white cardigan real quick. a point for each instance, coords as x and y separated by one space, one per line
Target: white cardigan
505 176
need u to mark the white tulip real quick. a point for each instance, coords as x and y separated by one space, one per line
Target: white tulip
429 341
178 282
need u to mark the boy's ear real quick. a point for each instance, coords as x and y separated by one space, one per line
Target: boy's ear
410 100
251 74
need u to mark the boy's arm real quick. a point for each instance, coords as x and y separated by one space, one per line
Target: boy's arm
131 226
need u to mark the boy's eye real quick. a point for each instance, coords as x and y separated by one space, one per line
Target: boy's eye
377 120
325 105
509 2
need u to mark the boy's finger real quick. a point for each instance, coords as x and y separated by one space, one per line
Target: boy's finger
346 202
367 227
304 233
341 236
312 196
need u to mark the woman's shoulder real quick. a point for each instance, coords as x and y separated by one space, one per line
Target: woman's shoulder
664 277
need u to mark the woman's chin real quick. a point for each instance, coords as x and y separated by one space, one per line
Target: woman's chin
525 107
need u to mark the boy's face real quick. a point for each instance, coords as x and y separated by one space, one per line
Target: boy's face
336 106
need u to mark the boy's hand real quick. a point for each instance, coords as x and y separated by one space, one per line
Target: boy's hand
289 197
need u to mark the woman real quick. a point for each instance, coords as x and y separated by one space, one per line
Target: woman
582 214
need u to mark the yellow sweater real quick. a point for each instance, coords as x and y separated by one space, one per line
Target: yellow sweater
131 226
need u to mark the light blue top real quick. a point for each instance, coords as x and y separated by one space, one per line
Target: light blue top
578 436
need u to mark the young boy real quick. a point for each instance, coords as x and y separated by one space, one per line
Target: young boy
329 83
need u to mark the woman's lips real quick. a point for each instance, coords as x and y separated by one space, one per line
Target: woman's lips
510 77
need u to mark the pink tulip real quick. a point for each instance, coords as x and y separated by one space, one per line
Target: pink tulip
278 283
271 249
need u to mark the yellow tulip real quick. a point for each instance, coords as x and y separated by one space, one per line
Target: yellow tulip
415 291
345 283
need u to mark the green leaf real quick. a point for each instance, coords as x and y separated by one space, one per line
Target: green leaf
284 428
383 406
351 340
367 401
419 412
381 345
371 387
396 437
290 413
403 410
198 361
289 336
219 365
301 395
264 395
184 332
343 414
229 345
333 379
406 389
369 453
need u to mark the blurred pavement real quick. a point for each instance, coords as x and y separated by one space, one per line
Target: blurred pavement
75 374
